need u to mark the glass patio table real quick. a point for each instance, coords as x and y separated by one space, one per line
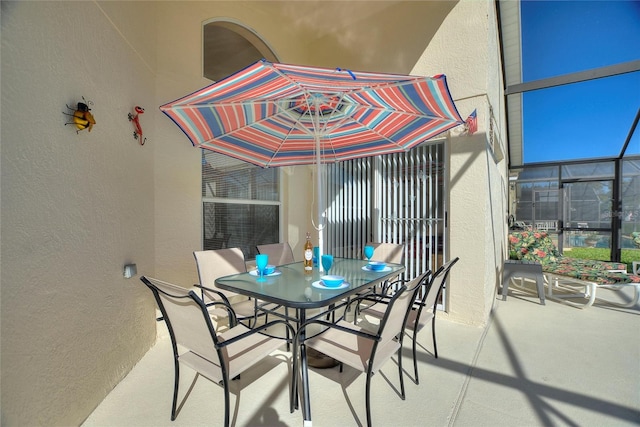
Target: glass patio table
290 287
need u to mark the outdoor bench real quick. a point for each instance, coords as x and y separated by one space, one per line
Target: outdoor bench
560 271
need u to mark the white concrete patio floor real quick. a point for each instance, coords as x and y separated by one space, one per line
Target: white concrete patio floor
533 365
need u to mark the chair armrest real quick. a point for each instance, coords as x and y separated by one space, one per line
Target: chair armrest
319 321
257 331
296 340
386 286
224 301
371 297
360 333
220 294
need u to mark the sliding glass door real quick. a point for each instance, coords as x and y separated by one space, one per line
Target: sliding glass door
396 198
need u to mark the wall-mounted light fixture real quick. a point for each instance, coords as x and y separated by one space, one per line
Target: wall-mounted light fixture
130 270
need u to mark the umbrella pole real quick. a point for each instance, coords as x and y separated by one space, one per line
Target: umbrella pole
319 179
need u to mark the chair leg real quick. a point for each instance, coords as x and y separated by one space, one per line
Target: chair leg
400 372
356 313
255 314
288 337
293 397
433 333
415 359
367 398
331 315
175 389
226 402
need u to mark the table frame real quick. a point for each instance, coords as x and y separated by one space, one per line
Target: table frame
293 289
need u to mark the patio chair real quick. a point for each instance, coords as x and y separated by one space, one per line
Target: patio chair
213 264
387 252
360 348
216 356
422 311
279 253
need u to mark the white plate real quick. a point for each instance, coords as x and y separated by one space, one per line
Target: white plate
275 273
384 270
320 285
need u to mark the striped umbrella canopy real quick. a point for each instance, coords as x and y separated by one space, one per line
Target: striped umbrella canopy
272 115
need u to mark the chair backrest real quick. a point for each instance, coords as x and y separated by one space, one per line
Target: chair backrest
279 253
218 263
186 317
387 252
434 289
395 317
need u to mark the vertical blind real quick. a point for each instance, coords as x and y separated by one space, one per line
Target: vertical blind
396 198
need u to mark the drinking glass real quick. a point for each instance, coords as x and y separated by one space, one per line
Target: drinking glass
327 262
368 252
261 263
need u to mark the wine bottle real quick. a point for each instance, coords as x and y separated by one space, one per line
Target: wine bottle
308 255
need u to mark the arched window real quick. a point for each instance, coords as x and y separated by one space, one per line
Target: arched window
229 47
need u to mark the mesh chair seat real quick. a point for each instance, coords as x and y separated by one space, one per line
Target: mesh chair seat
353 350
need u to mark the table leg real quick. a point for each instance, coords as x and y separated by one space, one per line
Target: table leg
304 369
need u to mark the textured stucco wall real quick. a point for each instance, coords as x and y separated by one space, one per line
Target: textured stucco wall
75 207
466 50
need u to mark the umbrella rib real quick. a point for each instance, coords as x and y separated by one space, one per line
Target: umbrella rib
356 105
252 124
249 125
409 80
325 129
306 92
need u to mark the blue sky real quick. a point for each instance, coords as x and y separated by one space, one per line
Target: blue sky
588 119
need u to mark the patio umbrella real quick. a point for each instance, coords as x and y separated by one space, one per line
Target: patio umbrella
273 115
